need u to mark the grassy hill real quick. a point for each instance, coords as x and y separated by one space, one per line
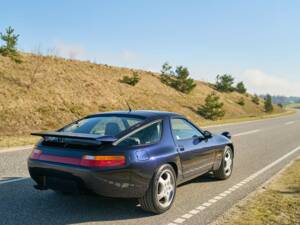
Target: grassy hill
47 92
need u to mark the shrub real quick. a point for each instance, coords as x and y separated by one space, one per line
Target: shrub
10 42
178 79
240 88
280 105
213 108
268 103
224 83
241 101
131 80
255 99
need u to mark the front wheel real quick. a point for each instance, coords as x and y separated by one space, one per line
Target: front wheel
225 170
161 192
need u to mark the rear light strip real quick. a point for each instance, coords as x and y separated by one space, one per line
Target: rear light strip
86 160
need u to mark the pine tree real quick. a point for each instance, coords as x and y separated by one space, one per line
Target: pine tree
213 108
255 99
268 103
10 42
224 83
240 88
179 79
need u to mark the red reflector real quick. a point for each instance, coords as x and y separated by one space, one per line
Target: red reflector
87 160
35 154
60 159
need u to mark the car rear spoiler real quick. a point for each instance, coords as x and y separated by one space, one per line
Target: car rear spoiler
81 136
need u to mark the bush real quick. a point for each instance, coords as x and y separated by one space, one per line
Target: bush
179 79
131 80
240 88
241 101
213 108
280 105
224 83
9 48
268 103
255 99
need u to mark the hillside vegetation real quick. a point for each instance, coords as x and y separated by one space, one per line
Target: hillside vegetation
44 93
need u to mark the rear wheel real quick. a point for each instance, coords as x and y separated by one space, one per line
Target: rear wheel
225 170
161 192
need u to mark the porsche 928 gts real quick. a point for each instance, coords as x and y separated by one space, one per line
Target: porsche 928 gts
129 154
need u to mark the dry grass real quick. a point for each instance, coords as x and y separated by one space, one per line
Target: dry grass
278 204
47 92
11 141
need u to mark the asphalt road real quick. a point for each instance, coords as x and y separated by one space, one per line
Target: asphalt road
262 149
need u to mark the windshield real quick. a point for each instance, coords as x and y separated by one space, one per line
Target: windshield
103 125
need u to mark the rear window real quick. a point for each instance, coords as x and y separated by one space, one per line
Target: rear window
103 125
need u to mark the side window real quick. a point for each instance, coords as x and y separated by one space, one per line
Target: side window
182 129
148 135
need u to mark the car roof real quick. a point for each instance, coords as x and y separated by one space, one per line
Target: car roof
142 113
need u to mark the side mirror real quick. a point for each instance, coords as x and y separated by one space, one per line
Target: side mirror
226 134
207 134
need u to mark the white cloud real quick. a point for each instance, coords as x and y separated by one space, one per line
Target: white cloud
259 82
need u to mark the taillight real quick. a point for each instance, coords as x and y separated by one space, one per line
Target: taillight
86 160
35 154
102 161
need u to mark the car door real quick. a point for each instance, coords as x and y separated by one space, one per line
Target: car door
196 152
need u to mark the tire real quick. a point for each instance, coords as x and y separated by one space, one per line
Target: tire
225 170
161 192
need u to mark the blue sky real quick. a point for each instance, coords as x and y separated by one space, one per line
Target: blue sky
255 41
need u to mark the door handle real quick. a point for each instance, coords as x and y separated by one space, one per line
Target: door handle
180 148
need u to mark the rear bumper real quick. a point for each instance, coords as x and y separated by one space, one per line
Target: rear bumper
111 183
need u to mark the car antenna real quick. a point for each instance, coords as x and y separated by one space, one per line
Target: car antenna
129 108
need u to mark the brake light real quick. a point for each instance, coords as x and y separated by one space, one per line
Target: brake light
103 161
35 154
86 160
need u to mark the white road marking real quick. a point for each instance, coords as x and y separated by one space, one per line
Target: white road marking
13 180
201 207
246 133
218 197
204 205
212 200
223 194
179 220
289 123
194 211
187 216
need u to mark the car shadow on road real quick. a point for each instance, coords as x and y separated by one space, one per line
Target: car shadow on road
206 178
20 203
